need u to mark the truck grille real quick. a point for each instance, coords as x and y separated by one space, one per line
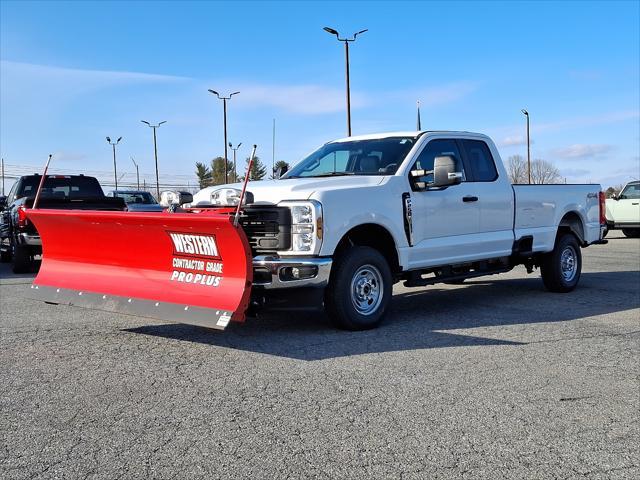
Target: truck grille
267 227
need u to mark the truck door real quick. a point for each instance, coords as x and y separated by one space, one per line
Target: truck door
495 198
445 221
627 207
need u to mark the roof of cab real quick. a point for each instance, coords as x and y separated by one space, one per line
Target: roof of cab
410 133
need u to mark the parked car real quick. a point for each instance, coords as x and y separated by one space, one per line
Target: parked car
19 239
138 200
623 210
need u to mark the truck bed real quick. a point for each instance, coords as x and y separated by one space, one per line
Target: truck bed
540 208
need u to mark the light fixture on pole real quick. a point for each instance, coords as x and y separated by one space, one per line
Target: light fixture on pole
137 174
155 152
526 113
224 107
115 169
346 52
235 172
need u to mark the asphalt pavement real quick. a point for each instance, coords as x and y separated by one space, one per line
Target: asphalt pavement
496 378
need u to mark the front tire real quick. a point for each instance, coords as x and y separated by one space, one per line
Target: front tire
359 290
631 232
561 268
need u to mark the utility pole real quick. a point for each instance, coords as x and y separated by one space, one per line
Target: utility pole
224 107
346 42
115 169
2 177
155 152
526 113
273 151
137 174
419 123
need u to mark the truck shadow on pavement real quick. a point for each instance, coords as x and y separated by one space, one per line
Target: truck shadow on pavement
423 318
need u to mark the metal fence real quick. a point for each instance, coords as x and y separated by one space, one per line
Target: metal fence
126 180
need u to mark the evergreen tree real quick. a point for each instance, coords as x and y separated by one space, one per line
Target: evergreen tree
258 170
204 175
217 171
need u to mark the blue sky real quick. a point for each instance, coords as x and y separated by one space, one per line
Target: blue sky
74 72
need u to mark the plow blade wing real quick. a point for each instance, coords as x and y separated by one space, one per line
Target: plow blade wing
191 268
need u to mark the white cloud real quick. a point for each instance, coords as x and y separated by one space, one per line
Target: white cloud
514 140
25 82
586 121
446 93
582 150
302 99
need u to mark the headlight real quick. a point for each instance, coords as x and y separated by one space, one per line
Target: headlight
168 198
306 226
229 197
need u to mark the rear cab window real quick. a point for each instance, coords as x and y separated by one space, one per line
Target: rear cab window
61 186
480 161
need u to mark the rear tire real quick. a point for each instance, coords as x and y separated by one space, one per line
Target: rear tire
631 232
561 268
5 255
22 259
605 232
359 290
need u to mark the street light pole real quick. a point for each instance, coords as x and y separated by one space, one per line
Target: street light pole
346 42
526 113
155 152
137 174
115 169
224 107
235 172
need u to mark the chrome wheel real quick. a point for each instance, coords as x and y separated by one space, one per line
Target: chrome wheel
568 263
367 289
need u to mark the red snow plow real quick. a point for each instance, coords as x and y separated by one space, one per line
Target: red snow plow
193 266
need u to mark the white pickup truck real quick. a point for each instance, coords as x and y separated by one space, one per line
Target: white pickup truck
623 210
362 213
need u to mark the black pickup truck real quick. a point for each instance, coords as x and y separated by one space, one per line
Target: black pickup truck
19 239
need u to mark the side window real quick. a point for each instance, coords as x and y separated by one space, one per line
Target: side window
12 193
480 161
433 149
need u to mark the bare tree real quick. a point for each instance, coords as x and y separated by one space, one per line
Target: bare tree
517 169
541 171
544 172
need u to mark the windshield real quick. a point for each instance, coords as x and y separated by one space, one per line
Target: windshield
144 198
381 156
631 191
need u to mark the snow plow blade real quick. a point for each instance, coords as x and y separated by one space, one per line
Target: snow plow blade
187 267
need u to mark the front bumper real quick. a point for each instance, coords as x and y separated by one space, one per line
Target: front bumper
29 239
276 272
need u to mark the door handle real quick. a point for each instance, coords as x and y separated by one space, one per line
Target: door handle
469 198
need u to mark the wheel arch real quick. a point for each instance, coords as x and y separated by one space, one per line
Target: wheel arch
375 236
572 222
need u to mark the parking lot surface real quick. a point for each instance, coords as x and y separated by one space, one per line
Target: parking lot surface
492 379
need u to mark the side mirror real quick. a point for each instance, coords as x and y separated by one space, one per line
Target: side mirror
184 197
280 171
444 172
3 201
614 196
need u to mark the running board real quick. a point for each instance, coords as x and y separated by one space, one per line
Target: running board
418 281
